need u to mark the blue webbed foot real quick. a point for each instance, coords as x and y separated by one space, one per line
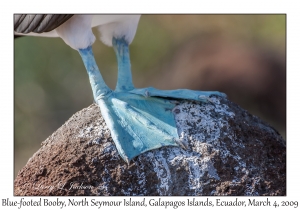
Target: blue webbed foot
138 124
178 94
139 119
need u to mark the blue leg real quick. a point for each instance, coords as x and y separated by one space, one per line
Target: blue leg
124 82
139 119
99 88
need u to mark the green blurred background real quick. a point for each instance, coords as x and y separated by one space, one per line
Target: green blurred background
241 55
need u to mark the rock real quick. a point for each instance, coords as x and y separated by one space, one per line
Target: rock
230 152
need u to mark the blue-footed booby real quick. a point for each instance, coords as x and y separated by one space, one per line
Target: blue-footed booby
139 119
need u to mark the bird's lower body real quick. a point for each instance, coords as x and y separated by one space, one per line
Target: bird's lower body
139 119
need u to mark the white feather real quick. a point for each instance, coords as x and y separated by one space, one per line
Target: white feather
117 26
77 31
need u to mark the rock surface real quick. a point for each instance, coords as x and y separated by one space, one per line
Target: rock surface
230 152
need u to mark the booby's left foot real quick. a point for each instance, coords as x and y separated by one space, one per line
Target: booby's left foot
139 119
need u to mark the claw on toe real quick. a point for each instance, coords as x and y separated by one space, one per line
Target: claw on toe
182 141
146 94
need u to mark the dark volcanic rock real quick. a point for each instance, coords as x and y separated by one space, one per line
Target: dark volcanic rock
230 152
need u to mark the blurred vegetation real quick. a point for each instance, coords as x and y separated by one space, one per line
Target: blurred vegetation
51 84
